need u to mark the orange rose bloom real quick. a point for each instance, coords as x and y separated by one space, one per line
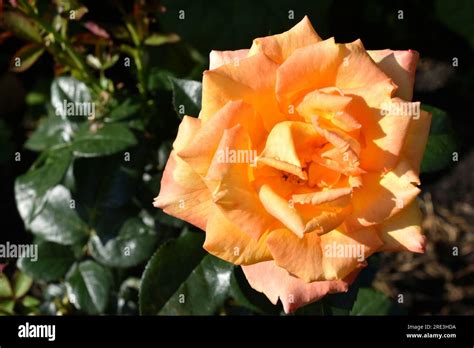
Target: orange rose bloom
303 162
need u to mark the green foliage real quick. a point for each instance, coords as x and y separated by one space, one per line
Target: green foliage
13 295
371 302
186 97
88 286
441 144
54 260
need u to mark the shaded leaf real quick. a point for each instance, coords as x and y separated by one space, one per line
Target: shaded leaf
21 26
32 187
371 302
53 262
186 96
167 269
204 291
88 287
58 221
52 130
21 284
441 142
106 140
6 290
157 39
25 57
66 90
128 108
134 244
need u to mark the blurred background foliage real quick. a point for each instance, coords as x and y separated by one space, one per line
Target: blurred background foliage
82 188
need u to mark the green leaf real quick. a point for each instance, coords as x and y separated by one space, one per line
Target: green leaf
159 78
204 291
29 301
53 262
457 16
167 269
106 140
52 130
58 221
65 91
36 98
21 26
6 290
21 284
371 302
134 244
186 96
31 188
7 307
124 110
441 142
157 39
88 287
27 56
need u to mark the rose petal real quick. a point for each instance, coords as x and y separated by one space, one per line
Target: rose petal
402 232
183 194
252 80
226 241
400 66
385 140
324 64
301 257
287 144
276 284
345 250
200 151
380 197
279 47
416 139
231 186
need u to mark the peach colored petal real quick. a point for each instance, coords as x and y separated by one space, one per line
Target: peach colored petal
276 283
301 257
400 66
320 197
226 241
218 58
416 139
380 197
329 106
345 250
327 64
188 127
279 47
287 145
322 178
183 194
199 152
384 141
280 208
308 68
402 232
231 186
304 218
252 80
